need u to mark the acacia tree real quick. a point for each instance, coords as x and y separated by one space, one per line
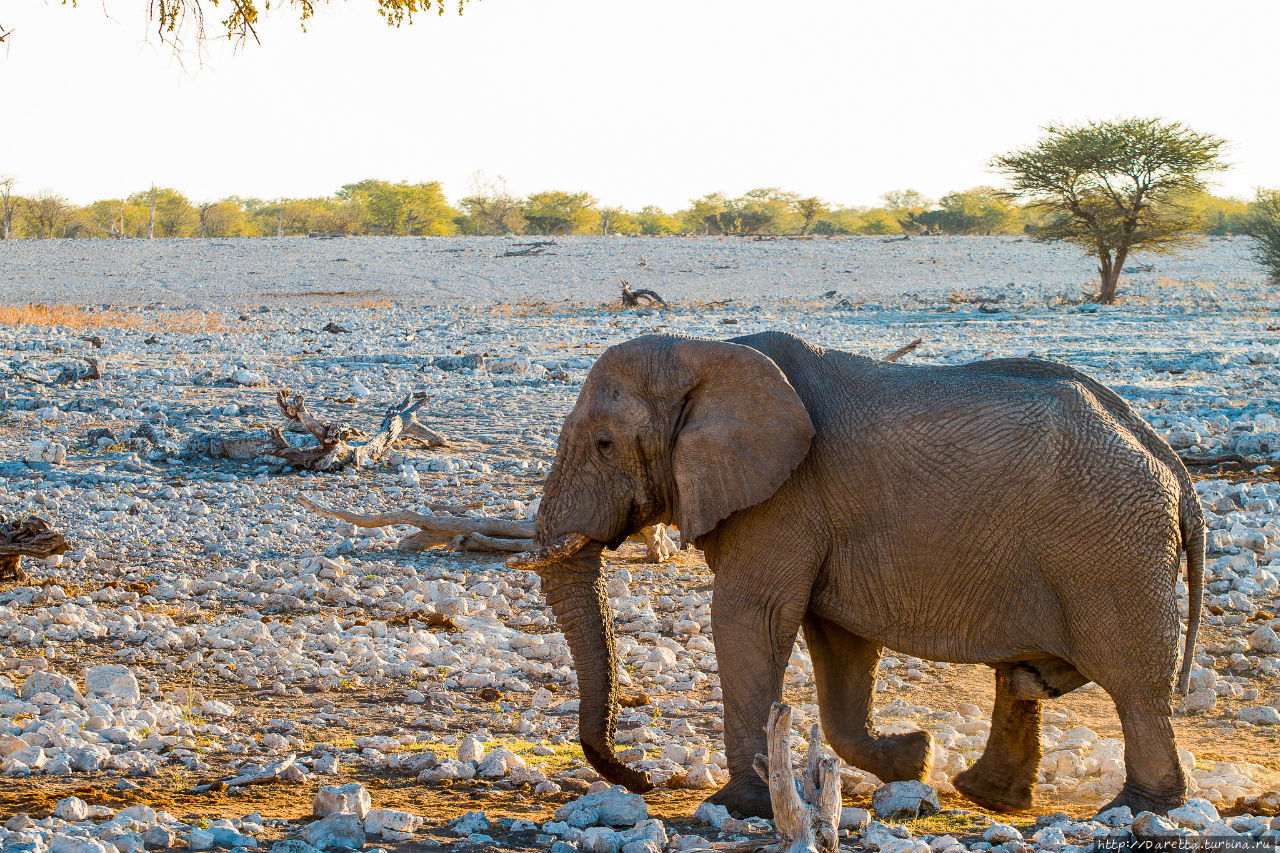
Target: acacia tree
981 210
556 211
110 217
809 209
1113 187
172 18
491 207
763 210
224 218
169 213
1263 226
6 205
654 220
609 218
46 212
401 208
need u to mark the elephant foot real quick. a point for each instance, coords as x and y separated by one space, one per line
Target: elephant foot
905 757
748 797
1139 800
994 791
892 758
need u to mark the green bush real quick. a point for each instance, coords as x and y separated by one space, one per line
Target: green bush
1263 226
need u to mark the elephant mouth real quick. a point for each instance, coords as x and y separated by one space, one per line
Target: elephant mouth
562 548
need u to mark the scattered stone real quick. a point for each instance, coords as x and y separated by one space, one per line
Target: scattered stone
1117 817
391 824
1198 702
470 823
905 800
470 749
351 798
112 683
157 838
292 845
1152 827
711 814
1259 715
614 806
1196 814
71 809
1000 833
336 830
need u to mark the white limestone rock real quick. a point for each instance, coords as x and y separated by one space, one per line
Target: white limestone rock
614 806
335 830
112 683
350 799
905 800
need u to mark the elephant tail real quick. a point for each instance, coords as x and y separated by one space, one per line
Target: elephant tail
1193 541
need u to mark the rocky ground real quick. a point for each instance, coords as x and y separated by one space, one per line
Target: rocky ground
467 270
213 665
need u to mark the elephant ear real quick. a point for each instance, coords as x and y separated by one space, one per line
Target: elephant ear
742 431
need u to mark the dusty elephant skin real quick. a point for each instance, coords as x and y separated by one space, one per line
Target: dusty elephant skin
1011 512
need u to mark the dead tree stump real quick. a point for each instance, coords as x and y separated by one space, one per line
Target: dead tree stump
332 451
807 814
631 298
31 536
73 373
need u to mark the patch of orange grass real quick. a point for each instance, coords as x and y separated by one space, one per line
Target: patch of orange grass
376 303
191 320
538 309
79 317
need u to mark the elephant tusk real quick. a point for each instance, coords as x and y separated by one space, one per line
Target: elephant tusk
562 548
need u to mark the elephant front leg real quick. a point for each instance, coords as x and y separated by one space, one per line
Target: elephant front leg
844 666
754 635
1003 778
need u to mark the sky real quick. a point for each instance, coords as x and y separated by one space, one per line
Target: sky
652 102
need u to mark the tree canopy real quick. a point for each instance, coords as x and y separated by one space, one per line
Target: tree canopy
1112 187
1263 224
172 18
375 207
557 212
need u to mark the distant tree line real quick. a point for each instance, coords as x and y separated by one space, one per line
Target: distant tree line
382 208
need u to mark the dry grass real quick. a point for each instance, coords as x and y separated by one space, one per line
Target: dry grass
534 309
78 317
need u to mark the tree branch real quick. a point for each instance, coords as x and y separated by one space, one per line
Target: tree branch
473 534
29 536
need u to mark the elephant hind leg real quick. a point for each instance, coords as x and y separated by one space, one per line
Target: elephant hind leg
844 666
1003 779
1155 780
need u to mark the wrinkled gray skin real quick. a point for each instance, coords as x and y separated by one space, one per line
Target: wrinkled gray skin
1010 512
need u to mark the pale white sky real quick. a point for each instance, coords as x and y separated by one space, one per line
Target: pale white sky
651 102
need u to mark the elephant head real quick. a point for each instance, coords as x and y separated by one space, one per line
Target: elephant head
666 429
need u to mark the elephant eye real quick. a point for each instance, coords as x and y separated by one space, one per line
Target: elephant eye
604 445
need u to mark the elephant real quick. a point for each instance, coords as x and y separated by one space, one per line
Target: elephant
1011 512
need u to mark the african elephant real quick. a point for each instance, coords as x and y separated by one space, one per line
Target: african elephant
1011 512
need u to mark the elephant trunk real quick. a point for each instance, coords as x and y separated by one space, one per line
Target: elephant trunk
562 548
576 592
